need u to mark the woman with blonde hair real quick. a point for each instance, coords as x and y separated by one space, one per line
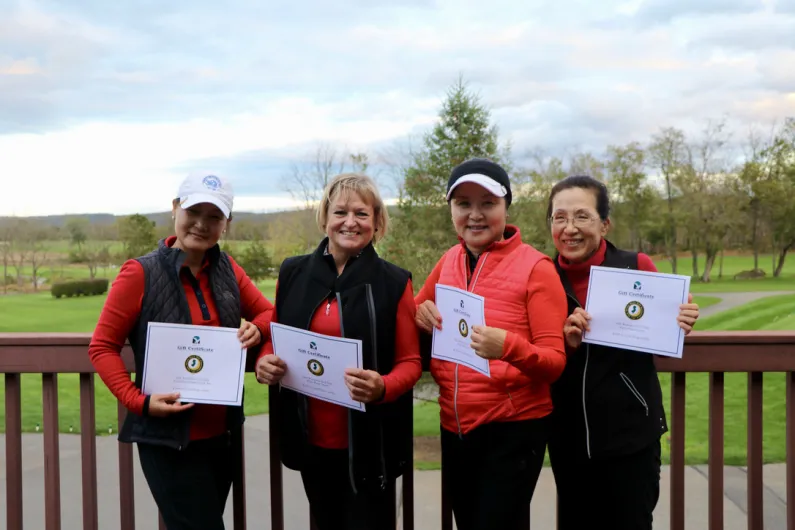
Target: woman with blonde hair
348 459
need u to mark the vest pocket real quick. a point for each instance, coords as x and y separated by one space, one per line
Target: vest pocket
631 386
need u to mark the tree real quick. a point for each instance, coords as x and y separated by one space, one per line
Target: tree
77 228
632 196
137 234
422 229
255 260
307 181
6 250
667 154
778 192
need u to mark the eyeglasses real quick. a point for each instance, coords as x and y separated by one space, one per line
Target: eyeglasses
580 220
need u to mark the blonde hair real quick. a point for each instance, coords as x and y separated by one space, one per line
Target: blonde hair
363 186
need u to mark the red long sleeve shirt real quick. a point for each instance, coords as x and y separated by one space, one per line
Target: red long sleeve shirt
328 422
121 311
579 273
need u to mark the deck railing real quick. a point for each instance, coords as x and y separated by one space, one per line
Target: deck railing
714 353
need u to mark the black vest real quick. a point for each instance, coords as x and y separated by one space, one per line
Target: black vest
608 400
164 301
368 293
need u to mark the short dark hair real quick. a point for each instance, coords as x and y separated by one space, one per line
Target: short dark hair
585 182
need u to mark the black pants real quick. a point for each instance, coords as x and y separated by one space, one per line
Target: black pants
332 501
491 473
619 492
190 487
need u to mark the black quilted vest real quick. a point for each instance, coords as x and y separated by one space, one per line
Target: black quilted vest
608 401
164 300
368 292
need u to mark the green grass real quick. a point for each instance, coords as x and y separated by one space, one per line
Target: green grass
705 301
770 313
735 416
731 265
40 312
43 313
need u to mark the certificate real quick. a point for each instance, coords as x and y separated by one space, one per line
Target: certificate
460 311
636 310
205 364
316 363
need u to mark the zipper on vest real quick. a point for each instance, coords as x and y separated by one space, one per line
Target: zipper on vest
471 289
374 340
350 423
584 375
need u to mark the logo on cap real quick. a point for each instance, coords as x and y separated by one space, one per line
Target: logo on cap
211 182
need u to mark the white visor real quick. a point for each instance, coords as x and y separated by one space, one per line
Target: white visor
484 181
198 198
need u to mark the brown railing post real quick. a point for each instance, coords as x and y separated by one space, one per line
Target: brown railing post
716 401
126 486
407 496
277 495
790 450
88 452
755 482
678 451
52 458
13 462
239 481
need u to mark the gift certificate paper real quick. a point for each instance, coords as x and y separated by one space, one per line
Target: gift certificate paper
205 364
636 310
316 363
460 311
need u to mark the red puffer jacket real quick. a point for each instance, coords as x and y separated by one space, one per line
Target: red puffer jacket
524 296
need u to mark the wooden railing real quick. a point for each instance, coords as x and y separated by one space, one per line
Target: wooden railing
51 354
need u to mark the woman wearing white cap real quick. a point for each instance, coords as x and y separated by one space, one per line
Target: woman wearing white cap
494 428
187 450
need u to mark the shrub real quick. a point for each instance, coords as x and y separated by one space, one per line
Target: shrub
69 289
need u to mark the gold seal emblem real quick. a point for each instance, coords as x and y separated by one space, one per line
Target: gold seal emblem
634 310
463 327
194 364
315 368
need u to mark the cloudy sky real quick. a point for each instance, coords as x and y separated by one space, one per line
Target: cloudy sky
106 105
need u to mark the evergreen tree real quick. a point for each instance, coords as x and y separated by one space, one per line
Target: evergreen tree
422 229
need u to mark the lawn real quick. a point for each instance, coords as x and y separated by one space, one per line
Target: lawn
770 313
731 266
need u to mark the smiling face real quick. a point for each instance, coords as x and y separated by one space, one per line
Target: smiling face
350 223
479 216
577 230
198 227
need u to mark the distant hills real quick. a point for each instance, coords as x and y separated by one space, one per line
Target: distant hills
158 217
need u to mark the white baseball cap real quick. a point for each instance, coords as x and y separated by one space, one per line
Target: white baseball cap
206 187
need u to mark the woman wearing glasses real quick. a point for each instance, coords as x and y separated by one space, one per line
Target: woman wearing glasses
608 414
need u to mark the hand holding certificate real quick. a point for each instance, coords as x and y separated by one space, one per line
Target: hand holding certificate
316 363
204 364
636 310
460 311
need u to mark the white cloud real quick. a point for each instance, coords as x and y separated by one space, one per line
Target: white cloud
104 106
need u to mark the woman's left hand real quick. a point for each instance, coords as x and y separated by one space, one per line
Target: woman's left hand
688 314
488 342
248 334
365 386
